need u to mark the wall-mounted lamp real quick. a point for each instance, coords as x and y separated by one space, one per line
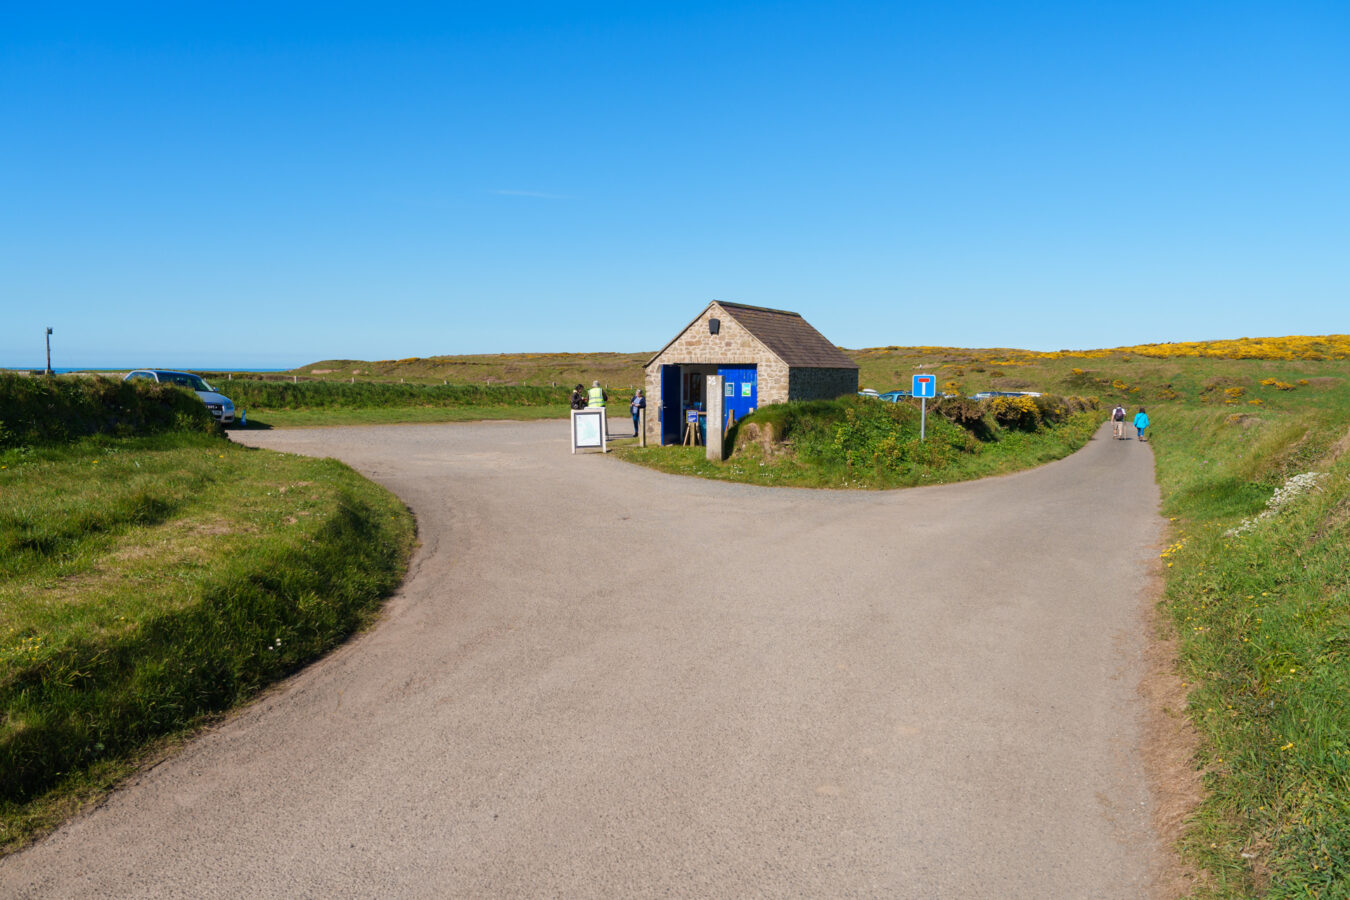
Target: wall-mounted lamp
714 325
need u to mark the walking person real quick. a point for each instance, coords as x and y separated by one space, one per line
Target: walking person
639 402
1140 423
578 397
1118 422
596 396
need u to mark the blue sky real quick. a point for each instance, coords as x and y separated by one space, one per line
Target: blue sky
271 184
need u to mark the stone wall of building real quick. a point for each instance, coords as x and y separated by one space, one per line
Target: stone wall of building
732 346
822 384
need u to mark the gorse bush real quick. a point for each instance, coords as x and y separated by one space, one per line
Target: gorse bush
1021 413
367 395
36 411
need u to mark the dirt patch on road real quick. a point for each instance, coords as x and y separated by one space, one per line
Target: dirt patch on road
1169 749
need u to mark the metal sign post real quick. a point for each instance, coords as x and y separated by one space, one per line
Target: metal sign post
925 386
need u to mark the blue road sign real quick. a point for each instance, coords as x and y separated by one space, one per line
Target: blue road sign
925 385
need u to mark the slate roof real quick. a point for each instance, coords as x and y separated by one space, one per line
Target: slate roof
787 335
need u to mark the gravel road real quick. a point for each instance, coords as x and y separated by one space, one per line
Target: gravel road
604 681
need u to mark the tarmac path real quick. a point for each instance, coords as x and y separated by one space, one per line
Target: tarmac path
604 681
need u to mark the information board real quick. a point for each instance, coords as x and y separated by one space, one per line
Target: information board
588 430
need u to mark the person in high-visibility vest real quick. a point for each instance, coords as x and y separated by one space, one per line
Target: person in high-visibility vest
597 396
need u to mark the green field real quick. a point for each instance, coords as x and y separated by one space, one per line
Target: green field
148 583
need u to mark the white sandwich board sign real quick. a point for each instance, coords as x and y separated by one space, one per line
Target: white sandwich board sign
588 430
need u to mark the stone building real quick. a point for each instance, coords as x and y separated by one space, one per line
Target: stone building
765 355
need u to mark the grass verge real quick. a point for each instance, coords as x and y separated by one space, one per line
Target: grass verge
395 415
148 583
1258 591
867 444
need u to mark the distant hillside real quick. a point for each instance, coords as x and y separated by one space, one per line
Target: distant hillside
618 370
882 367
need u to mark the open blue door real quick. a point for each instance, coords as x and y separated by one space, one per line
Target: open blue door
740 391
670 411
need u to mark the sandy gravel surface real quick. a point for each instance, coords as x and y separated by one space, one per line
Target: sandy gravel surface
603 681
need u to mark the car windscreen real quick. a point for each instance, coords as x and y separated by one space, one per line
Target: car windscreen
183 379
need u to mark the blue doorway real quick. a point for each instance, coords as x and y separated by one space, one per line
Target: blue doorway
670 411
740 392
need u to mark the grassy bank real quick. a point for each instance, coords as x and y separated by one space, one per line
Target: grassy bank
285 404
1258 590
395 415
375 395
39 410
147 583
858 442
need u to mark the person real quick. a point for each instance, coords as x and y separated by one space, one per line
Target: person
1140 423
1118 422
578 398
597 396
639 402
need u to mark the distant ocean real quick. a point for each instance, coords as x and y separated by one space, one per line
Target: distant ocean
61 371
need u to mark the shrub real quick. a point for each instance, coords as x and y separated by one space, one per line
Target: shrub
368 395
1021 413
62 409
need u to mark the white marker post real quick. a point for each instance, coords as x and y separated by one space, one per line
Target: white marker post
925 386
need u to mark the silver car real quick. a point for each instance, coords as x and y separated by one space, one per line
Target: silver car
221 407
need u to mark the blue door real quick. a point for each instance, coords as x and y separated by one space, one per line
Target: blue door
740 392
670 411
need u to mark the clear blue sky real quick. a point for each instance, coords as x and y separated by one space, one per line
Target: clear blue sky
268 184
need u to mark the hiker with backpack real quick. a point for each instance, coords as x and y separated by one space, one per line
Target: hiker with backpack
1118 422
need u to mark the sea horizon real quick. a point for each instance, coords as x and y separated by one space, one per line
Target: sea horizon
66 370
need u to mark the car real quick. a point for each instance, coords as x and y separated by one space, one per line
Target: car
220 406
895 396
868 392
989 395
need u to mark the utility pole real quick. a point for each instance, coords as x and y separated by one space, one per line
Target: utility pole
49 351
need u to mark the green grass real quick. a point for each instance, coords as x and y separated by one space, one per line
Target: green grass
264 404
1247 609
395 415
39 410
372 395
868 444
148 583
1263 620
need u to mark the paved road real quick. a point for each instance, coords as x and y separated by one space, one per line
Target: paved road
603 681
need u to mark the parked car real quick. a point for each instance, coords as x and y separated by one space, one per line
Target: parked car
868 392
988 395
221 407
895 396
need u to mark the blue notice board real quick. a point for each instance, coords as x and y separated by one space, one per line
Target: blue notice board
925 385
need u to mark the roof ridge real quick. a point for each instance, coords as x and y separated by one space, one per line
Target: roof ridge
781 312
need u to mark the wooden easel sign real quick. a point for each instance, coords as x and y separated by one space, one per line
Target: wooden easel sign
691 435
588 430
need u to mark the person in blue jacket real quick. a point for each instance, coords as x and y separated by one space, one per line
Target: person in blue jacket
639 402
1140 423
